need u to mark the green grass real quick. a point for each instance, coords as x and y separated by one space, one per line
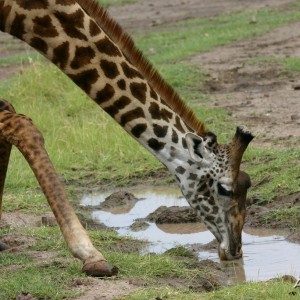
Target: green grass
23 58
292 214
23 273
262 291
199 35
291 64
10 259
288 64
51 278
43 283
80 137
23 196
279 169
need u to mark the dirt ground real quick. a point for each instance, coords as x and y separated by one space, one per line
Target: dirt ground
260 96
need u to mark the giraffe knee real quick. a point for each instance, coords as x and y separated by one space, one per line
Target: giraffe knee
18 129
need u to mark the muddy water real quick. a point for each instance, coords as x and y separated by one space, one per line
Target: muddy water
266 252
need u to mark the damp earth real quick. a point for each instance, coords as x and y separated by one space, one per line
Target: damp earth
163 218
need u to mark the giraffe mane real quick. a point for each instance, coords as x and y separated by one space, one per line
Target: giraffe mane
135 56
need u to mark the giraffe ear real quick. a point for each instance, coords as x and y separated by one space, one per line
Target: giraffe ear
198 152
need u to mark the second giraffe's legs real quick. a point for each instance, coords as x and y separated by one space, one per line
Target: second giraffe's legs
19 130
5 149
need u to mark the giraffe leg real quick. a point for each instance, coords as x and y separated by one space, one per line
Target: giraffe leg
5 149
20 131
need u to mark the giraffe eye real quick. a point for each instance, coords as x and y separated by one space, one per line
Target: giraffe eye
224 190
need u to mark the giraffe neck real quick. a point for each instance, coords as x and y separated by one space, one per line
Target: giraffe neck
101 59
64 33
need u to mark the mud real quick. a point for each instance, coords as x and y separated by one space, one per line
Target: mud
156 14
259 95
168 222
173 215
265 216
119 202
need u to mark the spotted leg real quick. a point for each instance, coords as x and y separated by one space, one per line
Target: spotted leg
5 149
19 130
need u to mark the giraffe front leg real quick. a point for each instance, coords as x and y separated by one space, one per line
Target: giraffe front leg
20 131
5 149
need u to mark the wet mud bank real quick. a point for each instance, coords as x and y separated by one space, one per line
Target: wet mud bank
164 219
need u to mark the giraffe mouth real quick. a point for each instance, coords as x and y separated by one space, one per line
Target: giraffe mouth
226 254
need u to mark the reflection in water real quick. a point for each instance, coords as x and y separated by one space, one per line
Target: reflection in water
236 271
186 228
266 253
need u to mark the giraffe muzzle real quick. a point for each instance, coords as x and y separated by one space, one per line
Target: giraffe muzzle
230 253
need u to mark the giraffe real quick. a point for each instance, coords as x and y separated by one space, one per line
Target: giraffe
92 49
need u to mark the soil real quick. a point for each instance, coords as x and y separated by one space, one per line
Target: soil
156 14
119 202
261 96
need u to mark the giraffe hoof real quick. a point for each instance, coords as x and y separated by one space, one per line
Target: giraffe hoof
100 269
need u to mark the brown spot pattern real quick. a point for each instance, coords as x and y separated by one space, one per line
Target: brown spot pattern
184 144
72 23
61 55
122 84
138 130
130 72
106 46
192 176
132 115
85 79
64 2
180 170
157 113
117 106
174 136
105 94
202 187
138 90
43 27
94 28
178 125
160 131
4 12
39 44
111 110
155 144
109 68
122 102
153 94
83 56
17 27
29 5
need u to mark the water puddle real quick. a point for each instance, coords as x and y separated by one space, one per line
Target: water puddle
266 252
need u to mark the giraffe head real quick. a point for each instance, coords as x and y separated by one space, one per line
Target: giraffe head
214 185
